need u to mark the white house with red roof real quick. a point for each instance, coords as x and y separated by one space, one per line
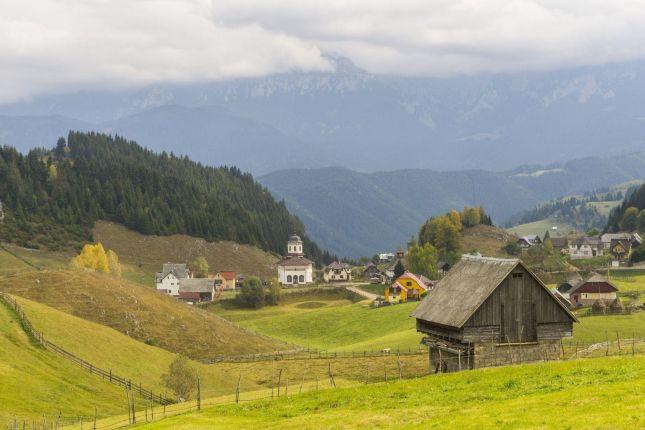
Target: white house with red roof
295 268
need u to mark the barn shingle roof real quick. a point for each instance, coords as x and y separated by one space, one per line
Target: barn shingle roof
458 295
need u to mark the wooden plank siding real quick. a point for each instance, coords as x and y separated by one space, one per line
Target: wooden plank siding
517 307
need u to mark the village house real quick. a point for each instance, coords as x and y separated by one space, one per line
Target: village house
586 293
489 312
529 241
372 272
337 272
585 247
167 281
407 287
561 244
621 249
226 278
633 238
177 281
294 268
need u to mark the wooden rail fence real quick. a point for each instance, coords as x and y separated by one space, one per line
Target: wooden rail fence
105 374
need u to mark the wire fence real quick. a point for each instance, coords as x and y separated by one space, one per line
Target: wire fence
315 375
107 375
288 374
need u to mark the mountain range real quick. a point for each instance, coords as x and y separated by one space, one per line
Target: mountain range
358 120
358 214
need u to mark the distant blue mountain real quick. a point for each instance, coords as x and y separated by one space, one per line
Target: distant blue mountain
361 121
355 214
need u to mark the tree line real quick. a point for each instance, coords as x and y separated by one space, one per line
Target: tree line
53 197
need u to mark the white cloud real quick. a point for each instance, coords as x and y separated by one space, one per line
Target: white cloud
59 45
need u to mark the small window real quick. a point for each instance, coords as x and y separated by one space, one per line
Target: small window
408 284
517 275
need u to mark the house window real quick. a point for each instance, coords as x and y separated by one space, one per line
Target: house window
517 275
289 279
302 278
408 284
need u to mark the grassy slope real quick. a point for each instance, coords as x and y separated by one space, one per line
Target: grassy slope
34 381
138 311
539 227
597 328
485 239
135 360
150 252
594 393
348 327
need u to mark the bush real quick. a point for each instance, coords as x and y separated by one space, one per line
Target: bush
181 378
252 294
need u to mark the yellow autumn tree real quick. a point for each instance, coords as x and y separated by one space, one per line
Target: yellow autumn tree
94 257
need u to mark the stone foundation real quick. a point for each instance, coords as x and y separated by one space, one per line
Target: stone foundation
491 354
444 359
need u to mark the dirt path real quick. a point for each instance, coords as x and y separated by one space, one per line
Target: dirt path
362 293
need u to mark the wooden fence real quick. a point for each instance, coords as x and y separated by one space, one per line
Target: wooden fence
107 375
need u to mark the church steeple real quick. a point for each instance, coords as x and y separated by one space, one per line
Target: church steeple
294 246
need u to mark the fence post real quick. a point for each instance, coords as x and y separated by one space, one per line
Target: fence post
95 413
459 358
304 372
618 337
199 396
237 390
279 381
633 348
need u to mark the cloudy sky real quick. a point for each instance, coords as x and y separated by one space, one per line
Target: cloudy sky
49 46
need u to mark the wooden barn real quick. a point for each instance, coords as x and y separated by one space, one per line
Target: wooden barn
489 312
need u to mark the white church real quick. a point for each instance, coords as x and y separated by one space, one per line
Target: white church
294 268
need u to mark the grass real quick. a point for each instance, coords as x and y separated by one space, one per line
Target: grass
485 239
148 253
539 227
598 328
109 349
138 311
337 326
595 393
34 381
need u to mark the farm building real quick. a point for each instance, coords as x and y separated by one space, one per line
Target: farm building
197 290
337 272
529 241
407 287
588 292
488 312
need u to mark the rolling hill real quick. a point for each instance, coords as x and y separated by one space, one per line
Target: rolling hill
352 213
138 311
149 252
36 382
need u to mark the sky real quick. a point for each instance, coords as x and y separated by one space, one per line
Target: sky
55 46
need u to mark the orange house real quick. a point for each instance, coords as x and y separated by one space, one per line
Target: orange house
407 287
226 278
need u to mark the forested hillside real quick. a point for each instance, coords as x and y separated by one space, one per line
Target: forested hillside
355 213
53 198
630 215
